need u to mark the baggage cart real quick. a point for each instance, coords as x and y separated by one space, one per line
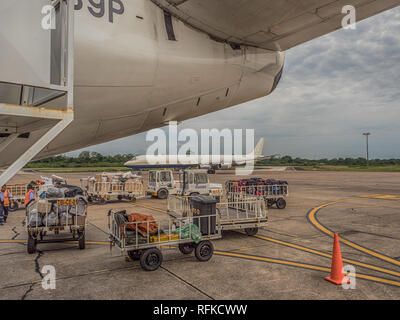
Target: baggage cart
45 216
102 192
273 194
240 212
181 232
18 192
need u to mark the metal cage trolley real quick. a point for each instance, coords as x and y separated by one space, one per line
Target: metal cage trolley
242 212
55 215
142 240
101 192
273 194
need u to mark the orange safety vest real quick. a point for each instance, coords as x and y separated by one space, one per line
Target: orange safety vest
28 196
6 199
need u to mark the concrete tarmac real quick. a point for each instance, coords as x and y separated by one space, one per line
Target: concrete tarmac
288 259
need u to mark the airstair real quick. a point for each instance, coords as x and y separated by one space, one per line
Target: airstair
36 78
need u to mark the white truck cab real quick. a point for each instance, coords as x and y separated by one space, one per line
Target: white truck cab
191 182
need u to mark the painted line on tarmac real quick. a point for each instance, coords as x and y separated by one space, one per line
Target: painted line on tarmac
148 207
329 256
303 266
313 219
317 252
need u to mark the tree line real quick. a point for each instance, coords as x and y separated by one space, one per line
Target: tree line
96 159
289 161
84 159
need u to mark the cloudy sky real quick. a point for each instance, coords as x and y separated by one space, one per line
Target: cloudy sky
333 89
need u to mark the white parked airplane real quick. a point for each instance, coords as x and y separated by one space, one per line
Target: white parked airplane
210 162
142 63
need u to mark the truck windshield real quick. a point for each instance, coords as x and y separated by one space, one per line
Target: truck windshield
200 178
165 176
152 176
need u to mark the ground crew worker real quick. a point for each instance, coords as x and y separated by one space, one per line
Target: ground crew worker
29 196
5 200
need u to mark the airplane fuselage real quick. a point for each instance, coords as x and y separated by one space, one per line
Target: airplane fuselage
129 77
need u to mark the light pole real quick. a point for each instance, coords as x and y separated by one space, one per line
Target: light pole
367 134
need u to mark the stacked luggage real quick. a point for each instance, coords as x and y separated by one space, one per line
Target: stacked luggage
54 207
273 191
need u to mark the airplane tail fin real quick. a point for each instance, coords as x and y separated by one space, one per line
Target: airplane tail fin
258 150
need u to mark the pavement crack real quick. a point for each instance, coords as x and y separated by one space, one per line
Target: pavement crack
37 270
16 233
186 282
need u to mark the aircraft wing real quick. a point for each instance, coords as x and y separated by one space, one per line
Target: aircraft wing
269 24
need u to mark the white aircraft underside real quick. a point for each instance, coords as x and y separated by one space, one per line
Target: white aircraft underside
130 78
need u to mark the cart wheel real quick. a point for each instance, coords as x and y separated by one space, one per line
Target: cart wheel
13 206
281 203
31 244
204 251
151 259
194 194
162 194
82 242
251 231
134 255
186 248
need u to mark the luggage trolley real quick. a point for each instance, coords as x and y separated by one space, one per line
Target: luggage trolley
55 215
273 194
18 192
241 212
142 240
101 192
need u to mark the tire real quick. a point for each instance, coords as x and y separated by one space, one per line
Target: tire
31 244
186 248
193 194
102 201
81 241
13 206
134 255
251 231
204 251
211 171
151 259
269 203
162 194
281 203
120 198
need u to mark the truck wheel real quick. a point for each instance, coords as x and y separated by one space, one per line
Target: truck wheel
186 248
31 244
82 242
162 194
281 203
134 255
193 194
251 231
13 206
204 251
151 259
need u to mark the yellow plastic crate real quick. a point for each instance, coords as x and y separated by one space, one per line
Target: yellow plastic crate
164 237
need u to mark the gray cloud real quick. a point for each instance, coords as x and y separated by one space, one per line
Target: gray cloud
333 89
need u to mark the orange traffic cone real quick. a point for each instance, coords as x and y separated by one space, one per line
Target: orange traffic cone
337 276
